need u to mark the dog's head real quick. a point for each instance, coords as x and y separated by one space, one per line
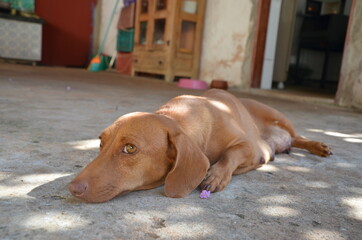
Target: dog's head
141 151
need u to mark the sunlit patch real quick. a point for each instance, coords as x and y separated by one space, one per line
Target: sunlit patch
356 135
317 184
9 192
188 96
85 144
4 175
345 165
279 199
21 186
279 211
172 229
42 178
221 106
323 234
315 130
194 230
268 168
187 210
55 221
298 154
353 140
356 207
342 135
265 150
298 169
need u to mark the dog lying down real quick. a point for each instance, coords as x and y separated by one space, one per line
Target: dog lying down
190 141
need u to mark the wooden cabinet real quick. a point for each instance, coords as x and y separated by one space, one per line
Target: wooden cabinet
168 36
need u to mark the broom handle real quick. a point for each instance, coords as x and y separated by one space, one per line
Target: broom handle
108 27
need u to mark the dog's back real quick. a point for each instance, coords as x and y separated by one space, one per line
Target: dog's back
215 121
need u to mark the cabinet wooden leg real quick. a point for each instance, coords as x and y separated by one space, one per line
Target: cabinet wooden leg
169 77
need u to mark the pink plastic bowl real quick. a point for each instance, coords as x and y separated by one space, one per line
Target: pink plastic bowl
193 84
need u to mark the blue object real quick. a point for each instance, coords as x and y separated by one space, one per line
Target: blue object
128 2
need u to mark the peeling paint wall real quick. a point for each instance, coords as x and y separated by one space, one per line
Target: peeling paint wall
350 86
226 45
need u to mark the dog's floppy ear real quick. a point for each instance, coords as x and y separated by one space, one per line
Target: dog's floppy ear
189 168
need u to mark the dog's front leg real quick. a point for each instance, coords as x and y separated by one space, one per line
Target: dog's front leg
235 158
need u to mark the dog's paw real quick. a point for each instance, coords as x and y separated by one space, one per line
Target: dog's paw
321 149
216 179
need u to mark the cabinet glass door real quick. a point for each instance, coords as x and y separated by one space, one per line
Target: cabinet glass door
159 31
190 6
143 32
161 5
144 6
187 36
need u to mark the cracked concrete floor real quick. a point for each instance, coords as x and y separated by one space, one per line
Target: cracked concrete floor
49 122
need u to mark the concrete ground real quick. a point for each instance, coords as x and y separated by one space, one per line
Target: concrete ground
50 119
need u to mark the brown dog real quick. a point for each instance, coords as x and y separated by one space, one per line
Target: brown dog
189 141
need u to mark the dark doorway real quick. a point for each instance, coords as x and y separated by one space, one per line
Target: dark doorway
318 41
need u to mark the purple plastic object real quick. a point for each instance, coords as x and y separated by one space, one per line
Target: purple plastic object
205 194
193 84
128 2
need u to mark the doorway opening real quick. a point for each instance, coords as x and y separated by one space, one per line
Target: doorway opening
309 38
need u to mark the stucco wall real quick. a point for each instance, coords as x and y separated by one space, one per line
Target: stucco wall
227 45
350 88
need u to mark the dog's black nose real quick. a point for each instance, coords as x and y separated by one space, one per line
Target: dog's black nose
78 188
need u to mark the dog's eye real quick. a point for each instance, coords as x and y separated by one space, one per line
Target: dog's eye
129 148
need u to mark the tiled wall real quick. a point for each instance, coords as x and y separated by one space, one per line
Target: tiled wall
20 40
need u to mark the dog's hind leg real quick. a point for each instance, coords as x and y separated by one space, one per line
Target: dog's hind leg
279 133
314 147
279 140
